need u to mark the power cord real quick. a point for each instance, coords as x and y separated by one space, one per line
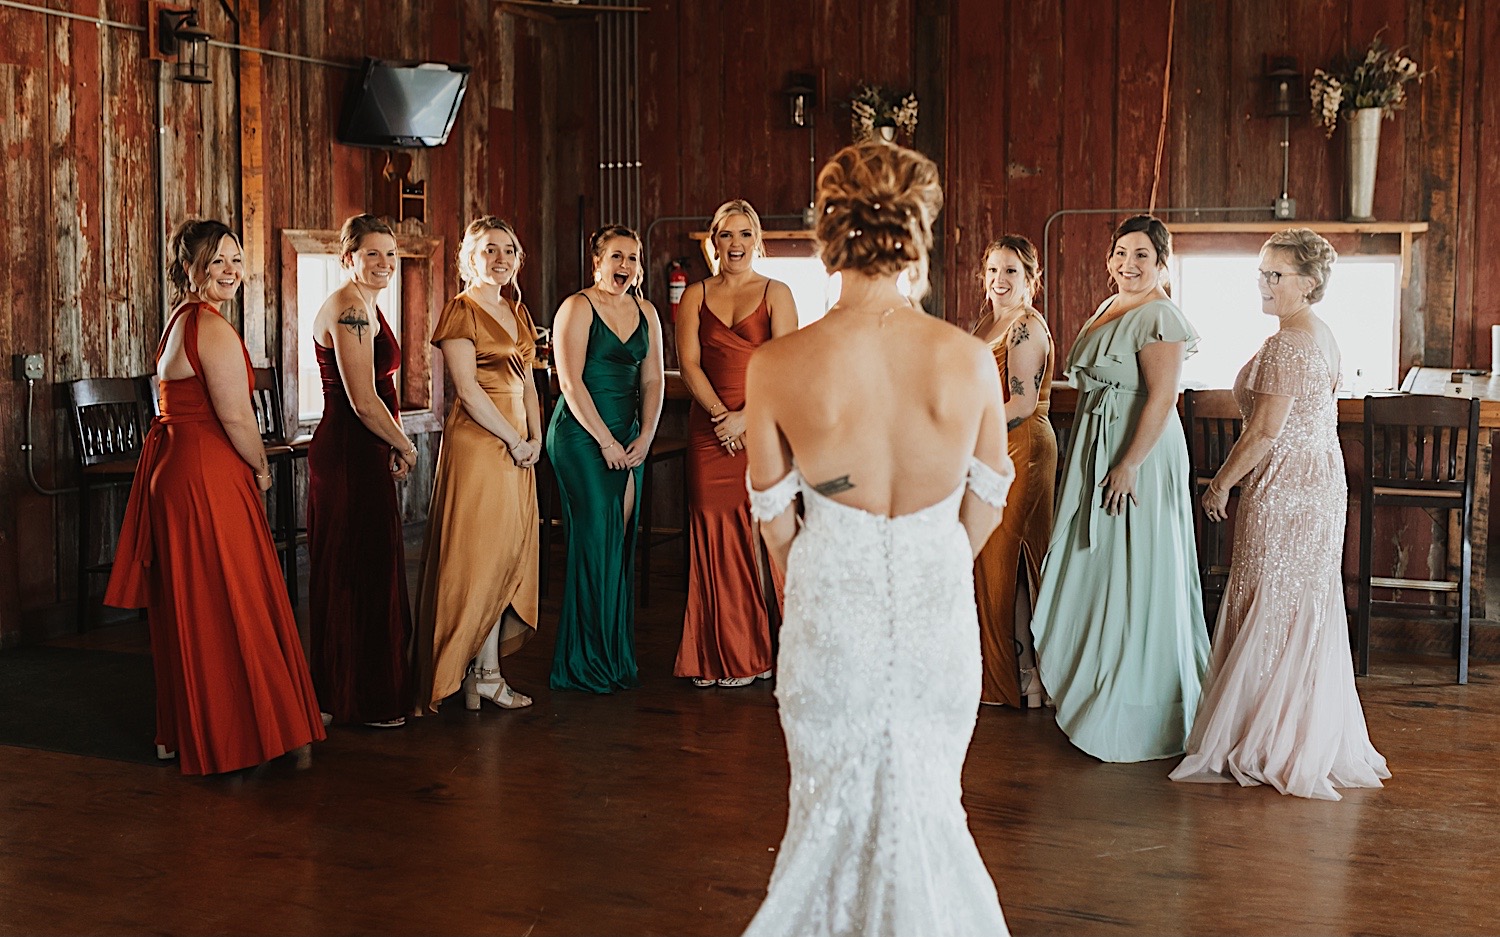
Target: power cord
28 448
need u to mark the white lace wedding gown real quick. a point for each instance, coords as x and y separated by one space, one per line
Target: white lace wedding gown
878 682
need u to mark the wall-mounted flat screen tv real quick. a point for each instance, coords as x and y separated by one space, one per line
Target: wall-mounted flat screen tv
403 104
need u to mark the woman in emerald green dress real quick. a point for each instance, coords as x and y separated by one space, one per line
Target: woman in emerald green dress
1119 618
607 348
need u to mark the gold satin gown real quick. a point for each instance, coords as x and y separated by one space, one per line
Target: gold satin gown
479 559
1017 546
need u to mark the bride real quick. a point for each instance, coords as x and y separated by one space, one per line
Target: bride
888 423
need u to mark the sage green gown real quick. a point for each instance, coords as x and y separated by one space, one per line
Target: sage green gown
596 634
1119 617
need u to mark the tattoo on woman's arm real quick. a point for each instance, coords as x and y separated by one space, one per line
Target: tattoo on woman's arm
1014 423
834 486
1017 387
1038 379
356 321
1019 334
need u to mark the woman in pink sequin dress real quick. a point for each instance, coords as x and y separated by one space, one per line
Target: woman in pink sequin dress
1279 705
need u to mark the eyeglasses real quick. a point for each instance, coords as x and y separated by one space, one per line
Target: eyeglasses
1273 277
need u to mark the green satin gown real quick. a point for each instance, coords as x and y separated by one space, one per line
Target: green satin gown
1119 612
596 634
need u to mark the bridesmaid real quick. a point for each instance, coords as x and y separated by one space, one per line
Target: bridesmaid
1279 706
359 613
607 344
478 597
232 688
1119 615
1008 569
726 628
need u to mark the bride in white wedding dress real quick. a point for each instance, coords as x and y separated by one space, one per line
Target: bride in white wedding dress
888 423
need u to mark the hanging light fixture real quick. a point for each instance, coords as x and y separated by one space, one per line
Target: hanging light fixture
176 36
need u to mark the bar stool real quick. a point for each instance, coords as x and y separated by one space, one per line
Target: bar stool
1420 451
1213 422
664 449
281 455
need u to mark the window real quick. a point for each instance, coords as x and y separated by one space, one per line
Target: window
310 271
317 276
811 286
1218 294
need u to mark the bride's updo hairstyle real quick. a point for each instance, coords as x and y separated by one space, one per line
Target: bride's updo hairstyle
875 206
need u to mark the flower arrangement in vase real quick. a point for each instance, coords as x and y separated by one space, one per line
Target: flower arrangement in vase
876 111
1366 89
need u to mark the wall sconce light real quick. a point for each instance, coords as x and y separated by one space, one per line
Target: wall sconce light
177 37
1285 98
1284 94
802 95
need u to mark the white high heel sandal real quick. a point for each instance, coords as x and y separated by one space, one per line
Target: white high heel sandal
480 685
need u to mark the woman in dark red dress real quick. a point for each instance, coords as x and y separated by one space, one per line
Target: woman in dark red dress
232 688
360 617
726 627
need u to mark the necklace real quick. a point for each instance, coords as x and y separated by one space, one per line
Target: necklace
883 315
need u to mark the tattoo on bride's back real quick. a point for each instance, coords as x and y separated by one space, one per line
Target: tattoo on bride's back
834 486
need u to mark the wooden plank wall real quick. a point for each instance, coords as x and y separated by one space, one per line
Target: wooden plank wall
81 233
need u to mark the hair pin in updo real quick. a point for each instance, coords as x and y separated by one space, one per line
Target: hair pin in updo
876 206
855 233
828 210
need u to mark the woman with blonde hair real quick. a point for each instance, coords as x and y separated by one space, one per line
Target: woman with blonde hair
726 627
232 687
1008 570
477 601
887 423
358 609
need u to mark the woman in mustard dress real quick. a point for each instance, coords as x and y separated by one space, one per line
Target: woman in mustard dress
1008 569
478 598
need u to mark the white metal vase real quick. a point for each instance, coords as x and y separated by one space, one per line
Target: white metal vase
1362 142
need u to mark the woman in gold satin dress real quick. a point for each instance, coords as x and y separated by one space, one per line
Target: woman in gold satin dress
477 601
1018 336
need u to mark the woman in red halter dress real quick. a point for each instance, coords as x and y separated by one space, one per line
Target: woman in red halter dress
232 686
726 626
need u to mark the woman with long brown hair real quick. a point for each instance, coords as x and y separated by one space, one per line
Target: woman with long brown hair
1008 570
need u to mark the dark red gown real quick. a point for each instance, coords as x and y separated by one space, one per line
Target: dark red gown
358 610
232 688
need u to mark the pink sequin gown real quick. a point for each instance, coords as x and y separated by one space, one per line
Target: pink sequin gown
1279 705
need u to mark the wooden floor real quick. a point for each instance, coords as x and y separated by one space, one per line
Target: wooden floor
658 811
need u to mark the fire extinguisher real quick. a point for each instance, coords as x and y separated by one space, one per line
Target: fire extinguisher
676 285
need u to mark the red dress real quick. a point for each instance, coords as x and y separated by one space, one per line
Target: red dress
726 627
357 604
232 688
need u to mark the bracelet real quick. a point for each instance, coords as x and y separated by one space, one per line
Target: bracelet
259 475
612 442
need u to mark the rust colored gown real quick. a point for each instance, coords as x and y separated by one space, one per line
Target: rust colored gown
479 562
1017 546
358 609
232 688
726 627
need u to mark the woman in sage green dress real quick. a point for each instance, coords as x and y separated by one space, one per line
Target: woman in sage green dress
1119 616
607 345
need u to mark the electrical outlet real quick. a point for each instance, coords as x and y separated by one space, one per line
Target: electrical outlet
1284 208
27 367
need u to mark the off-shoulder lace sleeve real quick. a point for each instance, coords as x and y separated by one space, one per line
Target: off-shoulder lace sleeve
769 504
989 485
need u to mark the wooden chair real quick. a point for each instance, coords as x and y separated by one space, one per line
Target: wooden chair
281 455
1213 424
110 419
664 449
549 500
1420 451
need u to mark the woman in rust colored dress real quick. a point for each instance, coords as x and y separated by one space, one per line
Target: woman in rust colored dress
726 627
232 688
1008 569
358 609
478 598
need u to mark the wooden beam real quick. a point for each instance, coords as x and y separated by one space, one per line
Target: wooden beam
253 185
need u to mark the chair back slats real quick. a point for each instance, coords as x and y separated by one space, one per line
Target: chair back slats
1213 424
110 419
265 400
1421 443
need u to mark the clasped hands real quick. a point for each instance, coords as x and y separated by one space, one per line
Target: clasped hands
729 426
620 457
403 462
525 452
